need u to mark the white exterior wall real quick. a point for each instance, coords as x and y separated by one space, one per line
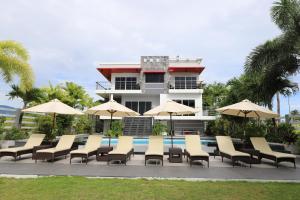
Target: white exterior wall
196 97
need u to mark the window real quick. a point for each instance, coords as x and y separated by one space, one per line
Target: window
185 82
140 107
187 102
126 83
154 78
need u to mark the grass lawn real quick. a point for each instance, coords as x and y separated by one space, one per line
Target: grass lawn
84 188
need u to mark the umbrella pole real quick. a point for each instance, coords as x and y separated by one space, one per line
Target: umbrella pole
111 115
53 121
171 129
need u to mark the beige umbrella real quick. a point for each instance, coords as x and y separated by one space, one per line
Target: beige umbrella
245 109
170 108
111 108
53 107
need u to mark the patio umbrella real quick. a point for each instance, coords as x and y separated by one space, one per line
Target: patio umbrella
171 108
111 108
246 109
53 107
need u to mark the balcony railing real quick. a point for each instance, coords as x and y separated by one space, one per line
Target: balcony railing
102 85
209 111
107 86
185 85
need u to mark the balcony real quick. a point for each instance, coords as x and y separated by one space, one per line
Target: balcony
185 86
105 88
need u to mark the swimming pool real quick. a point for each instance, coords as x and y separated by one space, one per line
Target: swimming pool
145 141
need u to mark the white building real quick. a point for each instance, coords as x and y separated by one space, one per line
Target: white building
145 85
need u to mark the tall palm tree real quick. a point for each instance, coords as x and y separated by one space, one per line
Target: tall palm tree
276 60
27 96
14 61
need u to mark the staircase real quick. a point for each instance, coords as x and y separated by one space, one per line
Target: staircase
137 126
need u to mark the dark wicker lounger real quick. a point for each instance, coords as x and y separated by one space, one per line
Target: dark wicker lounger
227 150
90 148
194 150
34 140
123 151
155 149
260 144
63 148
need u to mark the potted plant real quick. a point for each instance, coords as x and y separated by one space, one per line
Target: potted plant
10 136
116 129
159 128
289 137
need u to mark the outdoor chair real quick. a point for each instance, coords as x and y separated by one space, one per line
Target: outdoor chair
227 150
155 149
193 149
34 140
123 151
63 148
260 144
92 144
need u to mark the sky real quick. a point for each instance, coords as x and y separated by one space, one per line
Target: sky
67 39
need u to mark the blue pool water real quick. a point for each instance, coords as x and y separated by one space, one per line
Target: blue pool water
145 141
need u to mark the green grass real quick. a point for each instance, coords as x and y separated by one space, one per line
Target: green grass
83 188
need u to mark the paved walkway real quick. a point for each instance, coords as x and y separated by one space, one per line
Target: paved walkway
136 168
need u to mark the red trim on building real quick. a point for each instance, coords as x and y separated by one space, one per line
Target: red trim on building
186 69
154 72
108 71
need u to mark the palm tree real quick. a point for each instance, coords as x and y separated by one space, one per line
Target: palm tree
276 60
27 96
14 61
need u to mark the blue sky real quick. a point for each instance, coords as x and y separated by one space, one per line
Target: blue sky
66 39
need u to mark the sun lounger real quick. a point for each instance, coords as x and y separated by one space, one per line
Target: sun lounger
193 149
227 150
90 148
260 144
123 151
155 149
34 140
63 148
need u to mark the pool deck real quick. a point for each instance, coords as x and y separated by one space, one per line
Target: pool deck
135 169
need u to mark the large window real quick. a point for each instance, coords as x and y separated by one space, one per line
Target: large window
185 82
139 106
126 83
154 78
187 102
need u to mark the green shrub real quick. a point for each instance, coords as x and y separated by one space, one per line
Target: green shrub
44 125
287 132
158 128
64 124
15 134
116 129
2 121
83 124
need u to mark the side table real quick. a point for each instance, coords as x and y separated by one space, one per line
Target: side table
175 155
102 153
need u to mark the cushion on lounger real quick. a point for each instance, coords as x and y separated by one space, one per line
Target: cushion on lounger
15 149
65 142
92 144
34 140
125 144
261 144
155 146
226 146
193 146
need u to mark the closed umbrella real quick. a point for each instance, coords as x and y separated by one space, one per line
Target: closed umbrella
171 108
53 107
111 108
